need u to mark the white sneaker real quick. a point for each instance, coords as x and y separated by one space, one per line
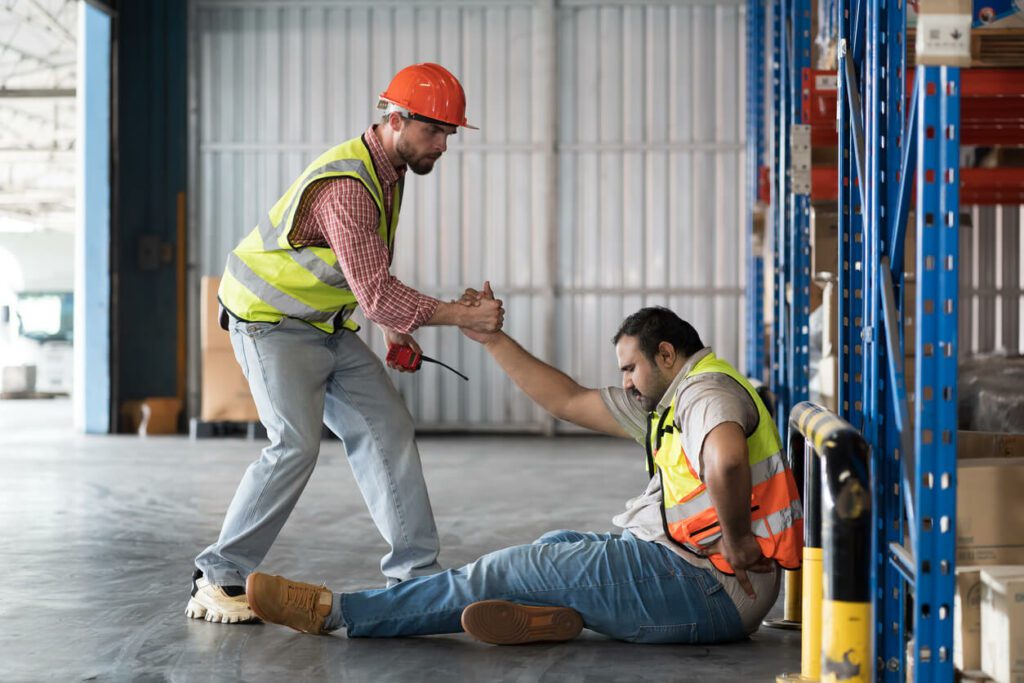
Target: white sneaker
215 604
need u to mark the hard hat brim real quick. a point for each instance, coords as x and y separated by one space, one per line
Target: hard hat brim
381 100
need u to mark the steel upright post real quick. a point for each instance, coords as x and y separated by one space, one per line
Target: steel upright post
780 210
883 89
935 429
851 274
798 239
755 160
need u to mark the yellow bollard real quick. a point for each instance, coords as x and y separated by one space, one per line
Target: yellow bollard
846 651
790 620
810 642
808 604
794 595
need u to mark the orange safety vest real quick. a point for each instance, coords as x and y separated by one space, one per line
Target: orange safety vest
690 518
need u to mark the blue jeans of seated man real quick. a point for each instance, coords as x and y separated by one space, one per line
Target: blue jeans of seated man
624 588
301 378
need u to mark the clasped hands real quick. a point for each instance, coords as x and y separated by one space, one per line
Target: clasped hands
485 300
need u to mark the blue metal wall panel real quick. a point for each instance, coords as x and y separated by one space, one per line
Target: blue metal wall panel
91 398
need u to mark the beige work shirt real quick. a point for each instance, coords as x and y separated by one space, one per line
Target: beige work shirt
702 403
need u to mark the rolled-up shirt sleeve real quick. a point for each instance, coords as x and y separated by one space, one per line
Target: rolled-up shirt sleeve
707 401
349 219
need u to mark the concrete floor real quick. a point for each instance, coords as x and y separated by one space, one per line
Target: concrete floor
99 535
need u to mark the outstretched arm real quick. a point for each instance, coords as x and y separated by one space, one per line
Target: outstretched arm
549 387
552 389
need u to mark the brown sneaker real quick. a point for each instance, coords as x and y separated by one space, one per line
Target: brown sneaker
500 622
301 606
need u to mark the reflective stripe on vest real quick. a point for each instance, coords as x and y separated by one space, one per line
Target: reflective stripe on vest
689 514
268 278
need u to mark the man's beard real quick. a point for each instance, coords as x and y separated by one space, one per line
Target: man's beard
648 404
418 165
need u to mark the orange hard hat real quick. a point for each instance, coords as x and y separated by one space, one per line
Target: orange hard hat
428 92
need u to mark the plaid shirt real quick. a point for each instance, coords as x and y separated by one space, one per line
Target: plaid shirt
341 214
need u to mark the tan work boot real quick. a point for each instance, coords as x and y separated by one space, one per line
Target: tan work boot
301 606
500 622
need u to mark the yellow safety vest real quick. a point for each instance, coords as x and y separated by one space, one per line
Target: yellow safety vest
689 515
268 278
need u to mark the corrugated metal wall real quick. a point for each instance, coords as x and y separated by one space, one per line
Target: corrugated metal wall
606 174
991 285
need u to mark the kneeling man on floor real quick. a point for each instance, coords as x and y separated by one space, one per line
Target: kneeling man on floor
699 556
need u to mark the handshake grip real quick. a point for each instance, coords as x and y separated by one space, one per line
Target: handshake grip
404 357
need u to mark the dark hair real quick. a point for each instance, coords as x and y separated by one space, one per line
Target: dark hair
656 324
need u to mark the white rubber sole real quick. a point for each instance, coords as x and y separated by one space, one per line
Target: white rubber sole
196 610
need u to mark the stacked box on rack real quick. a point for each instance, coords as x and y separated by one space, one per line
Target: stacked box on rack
973 445
990 518
967 619
226 396
824 294
989 531
1002 623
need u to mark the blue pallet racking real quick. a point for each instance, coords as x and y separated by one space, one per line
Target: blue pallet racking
885 141
790 210
755 351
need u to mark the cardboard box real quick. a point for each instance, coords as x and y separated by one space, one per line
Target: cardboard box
972 445
225 391
150 416
824 227
943 35
159 416
226 396
967 619
1002 623
990 516
910 317
758 230
909 377
18 379
824 240
830 319
828 371
211 336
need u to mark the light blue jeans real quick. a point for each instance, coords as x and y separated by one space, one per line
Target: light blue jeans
301 378
624 588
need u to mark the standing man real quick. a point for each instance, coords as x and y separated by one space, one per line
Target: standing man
699 556
289 290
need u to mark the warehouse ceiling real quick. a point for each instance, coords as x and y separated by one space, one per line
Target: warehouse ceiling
37 114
